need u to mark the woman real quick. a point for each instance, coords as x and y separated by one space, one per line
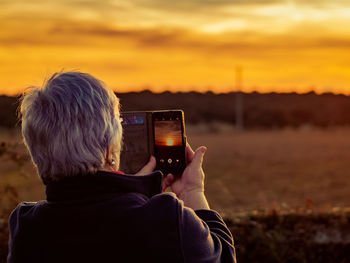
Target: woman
93 213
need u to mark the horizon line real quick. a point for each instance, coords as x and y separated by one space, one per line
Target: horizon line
217 93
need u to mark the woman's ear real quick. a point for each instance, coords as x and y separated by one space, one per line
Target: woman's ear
109 156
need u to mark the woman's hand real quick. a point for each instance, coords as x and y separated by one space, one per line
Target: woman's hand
190 186
148 168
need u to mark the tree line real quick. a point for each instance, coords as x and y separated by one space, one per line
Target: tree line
268 110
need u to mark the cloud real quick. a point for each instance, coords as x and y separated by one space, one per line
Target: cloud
321 3
74 33
194 15
195 5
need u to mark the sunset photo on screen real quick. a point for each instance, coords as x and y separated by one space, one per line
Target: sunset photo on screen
168 133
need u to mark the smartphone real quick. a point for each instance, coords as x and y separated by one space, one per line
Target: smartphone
169 141
158 133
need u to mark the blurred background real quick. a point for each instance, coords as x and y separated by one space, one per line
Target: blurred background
264 84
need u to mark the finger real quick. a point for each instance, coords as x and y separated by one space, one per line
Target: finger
198 156
167 181
189 153
149 167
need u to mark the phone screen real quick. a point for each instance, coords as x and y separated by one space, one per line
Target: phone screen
168 133
169 142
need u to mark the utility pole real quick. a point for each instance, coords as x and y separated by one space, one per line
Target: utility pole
239 100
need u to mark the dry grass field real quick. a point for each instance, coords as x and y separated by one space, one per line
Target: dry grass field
284 169
282 192
253 170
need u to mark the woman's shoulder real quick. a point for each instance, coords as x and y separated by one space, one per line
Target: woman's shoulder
24 210
24 207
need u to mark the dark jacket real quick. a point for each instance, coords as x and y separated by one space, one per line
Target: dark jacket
108 217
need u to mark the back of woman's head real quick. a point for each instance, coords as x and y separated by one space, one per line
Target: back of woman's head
69 123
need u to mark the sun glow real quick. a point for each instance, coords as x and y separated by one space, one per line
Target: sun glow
169 142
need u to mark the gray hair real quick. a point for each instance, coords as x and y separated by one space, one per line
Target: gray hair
69 123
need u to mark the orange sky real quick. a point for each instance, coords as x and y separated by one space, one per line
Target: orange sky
283 46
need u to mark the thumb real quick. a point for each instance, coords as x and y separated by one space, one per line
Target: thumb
148 168
167 181
198 156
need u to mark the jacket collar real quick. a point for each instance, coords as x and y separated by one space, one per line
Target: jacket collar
90 185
